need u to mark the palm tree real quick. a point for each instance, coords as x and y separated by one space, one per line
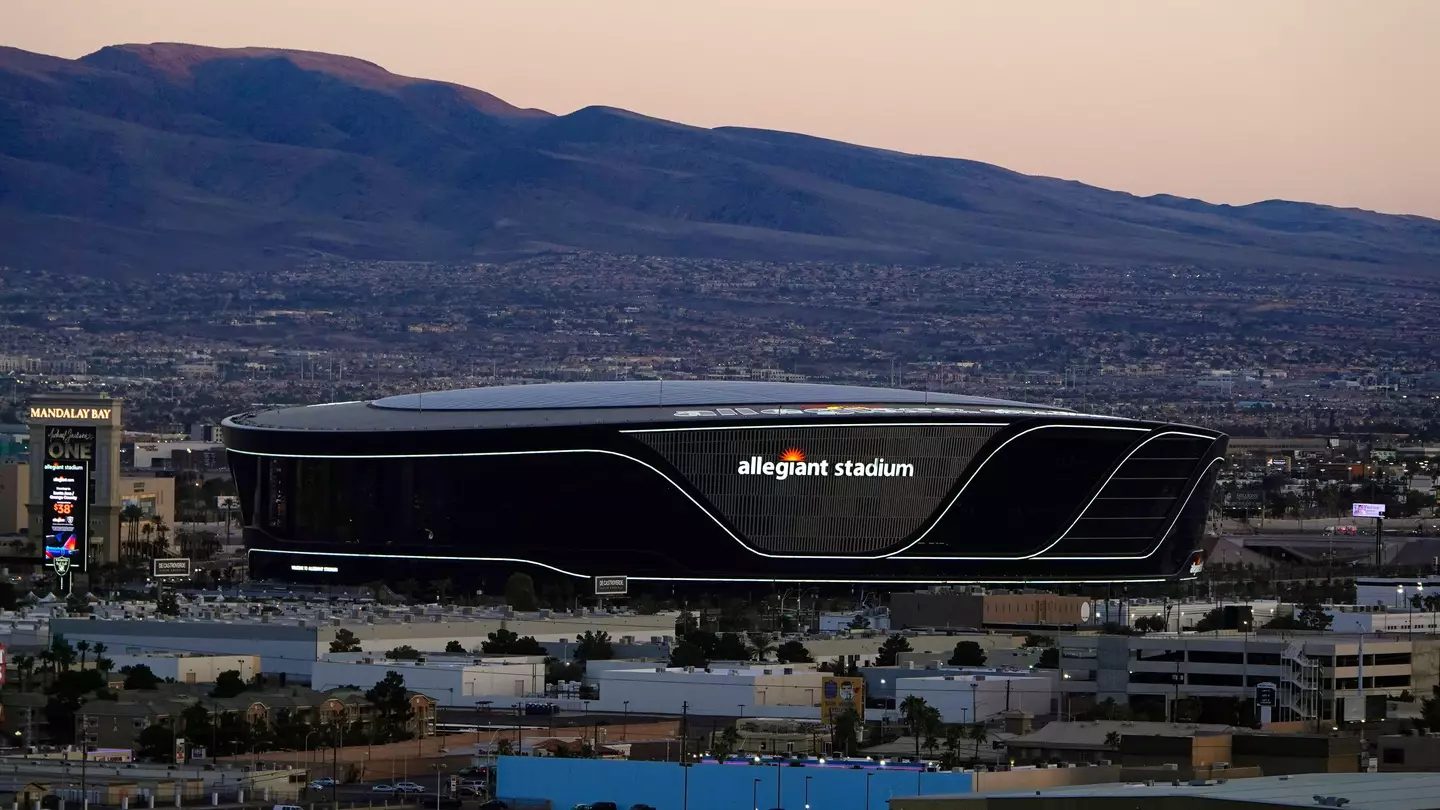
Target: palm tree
931 743
979 735
1112 740
143 548
64 653
162 538
916 714
26 665
83 647
47 661
761 646
953 735
131 517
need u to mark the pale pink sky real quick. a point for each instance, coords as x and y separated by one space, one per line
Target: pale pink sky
1334 101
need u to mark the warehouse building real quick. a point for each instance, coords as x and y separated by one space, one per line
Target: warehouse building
449 681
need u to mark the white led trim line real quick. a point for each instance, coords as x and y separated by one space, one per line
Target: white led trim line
1158 543
1081 515
433 557
738 539
820 425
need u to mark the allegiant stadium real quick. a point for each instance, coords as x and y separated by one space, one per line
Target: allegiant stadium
705 481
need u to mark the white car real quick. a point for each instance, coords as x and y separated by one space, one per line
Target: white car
321 784
408 787
383 789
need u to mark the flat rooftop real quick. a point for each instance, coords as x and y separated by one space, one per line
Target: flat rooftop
1366 791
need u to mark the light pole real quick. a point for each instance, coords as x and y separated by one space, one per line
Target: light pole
627 721
778 803
480 706
306 749
755 795
1399 594
807 792
439 769
868 774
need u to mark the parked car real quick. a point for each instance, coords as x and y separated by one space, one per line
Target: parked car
408 787
383 788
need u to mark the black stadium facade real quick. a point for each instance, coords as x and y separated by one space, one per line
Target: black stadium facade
718 481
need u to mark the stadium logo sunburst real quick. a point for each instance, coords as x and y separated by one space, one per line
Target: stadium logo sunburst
793 454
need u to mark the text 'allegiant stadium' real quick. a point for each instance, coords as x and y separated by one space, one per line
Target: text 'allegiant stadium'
780 470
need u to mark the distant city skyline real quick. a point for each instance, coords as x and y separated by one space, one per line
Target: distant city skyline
1323 101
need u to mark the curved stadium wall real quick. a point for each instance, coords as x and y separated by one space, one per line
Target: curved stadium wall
711 482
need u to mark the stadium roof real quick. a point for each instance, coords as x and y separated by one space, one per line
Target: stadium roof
668 394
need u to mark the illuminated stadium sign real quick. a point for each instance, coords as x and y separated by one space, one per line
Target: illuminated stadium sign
793 463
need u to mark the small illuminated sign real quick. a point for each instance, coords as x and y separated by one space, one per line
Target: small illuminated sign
173 568
1265 695
611 586
1367 510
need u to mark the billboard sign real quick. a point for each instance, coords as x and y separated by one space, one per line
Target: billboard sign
838 693
227 502
1367 510
611 586
173 568
1265 695
65 495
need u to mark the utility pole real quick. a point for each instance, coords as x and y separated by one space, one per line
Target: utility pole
84 761
335 762
685 766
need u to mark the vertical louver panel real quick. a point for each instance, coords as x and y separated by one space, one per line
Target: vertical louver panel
1139 501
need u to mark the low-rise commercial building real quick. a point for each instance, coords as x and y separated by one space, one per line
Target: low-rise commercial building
189 668
975 696
732 690
948 608
1321 678
449 681
289 639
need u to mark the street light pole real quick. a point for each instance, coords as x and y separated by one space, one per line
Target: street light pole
84 760
627 721
439 769
778 803
755 795
868 774
807 792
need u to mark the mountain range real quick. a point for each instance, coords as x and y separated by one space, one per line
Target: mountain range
140 158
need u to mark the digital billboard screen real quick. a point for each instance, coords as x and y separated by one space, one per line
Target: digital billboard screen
65 496
1368 510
